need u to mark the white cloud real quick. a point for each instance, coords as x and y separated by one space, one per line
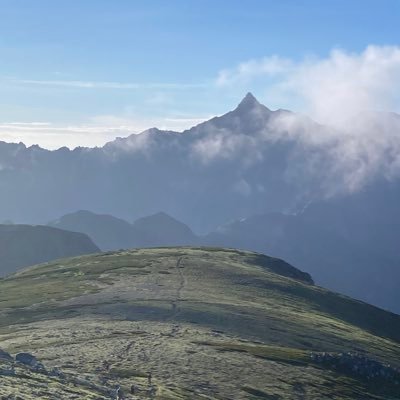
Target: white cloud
242 187
246 71
96 132
331 89
105 85
53 136
341 91
28 124
219 144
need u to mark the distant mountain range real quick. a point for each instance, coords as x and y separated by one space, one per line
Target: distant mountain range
231 166
271 181
249 161
24 245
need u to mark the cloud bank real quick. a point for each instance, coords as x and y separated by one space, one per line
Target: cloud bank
333 89
105 85
96 132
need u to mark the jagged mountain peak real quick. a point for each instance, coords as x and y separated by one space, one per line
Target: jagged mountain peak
249 99
248 103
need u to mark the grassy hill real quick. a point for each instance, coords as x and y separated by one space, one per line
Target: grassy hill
207 323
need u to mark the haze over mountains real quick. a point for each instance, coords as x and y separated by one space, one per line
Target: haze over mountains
249 161
271 181
231 166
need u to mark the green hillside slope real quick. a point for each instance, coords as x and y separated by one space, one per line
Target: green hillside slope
206 323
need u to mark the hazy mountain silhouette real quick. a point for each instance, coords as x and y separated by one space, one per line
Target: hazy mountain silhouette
162 230
110 233
24 245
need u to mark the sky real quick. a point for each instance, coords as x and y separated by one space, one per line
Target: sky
82 72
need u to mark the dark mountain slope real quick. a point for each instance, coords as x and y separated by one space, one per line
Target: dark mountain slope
108 232
23 245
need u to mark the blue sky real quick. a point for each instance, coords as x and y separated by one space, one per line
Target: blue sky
81 72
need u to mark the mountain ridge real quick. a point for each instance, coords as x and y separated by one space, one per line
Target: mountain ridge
248 104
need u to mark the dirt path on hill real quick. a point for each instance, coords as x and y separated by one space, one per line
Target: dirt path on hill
182 282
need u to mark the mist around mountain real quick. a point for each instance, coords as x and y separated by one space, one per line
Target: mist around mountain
24 245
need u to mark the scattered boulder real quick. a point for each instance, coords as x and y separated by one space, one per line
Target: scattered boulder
39 367
57 373
358 365
27 359
5 356
11 397
10 371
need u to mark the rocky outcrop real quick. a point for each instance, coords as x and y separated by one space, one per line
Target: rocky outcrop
358 365
26 359
5 356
